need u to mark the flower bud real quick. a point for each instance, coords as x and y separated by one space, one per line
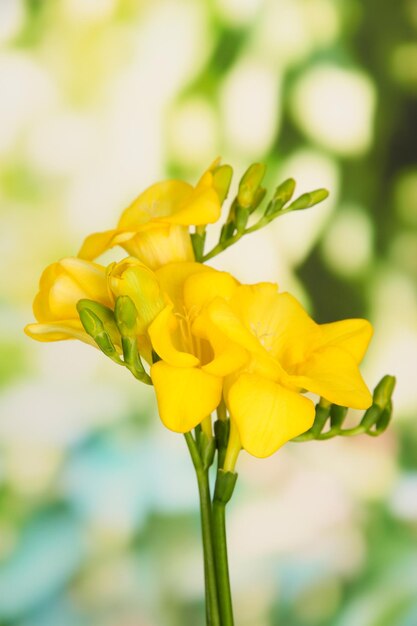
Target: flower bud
282 195
126 315
308 200
132 278
249 184
383 391
222 177
97 320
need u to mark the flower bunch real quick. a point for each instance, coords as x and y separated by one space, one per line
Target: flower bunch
208 343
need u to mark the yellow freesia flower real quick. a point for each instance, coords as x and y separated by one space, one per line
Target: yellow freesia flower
289 353
62 285
155 227
188 379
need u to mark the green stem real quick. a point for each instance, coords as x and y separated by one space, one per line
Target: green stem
212 611
222 564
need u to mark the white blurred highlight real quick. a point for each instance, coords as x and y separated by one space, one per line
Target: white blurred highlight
250 107
347 246
335 107
12 16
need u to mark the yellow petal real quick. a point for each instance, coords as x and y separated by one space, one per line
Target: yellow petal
266 414
96 244
168 341
172 278
202 287
333 374
278 321
90 277
162 244
352 335
158 201
185 396
229 323
202 207
58 331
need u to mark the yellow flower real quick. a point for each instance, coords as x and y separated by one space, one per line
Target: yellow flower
289 353
155 227
188 379
62 285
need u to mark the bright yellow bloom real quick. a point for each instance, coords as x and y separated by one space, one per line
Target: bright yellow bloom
62 285
289 353
155 227
188 379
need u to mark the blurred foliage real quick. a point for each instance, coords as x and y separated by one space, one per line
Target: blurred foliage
99 98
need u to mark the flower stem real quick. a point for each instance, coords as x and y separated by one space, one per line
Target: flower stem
212 609
225 484
222 565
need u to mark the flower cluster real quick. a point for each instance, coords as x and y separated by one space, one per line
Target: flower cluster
204 340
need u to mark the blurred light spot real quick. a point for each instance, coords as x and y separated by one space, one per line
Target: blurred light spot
89 10
406 197
403 500
250 106
194 133
12 15
31 468
335 107
347 246
403 251
288 30
394 346
296 233
404 64
318 601
238 12
63 143
22 81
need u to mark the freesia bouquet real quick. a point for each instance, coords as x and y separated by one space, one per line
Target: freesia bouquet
209 344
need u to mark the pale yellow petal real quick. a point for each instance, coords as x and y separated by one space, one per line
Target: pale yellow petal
185 396
94 245
161 244
202 207
333 374
160 200
58 331
266 414
168 341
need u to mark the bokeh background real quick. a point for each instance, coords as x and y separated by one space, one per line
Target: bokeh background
98 505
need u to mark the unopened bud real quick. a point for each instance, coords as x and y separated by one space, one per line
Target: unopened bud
282 195
126 316
95 327
249 184
383 391
222 177
308 200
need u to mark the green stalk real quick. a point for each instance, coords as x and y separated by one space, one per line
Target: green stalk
225 484
222 564
212 608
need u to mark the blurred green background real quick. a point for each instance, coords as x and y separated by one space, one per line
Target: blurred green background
98 505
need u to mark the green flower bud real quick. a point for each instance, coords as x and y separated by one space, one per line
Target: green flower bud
249 184
282 195
383 391
95 326
222 178
126 316
308 200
